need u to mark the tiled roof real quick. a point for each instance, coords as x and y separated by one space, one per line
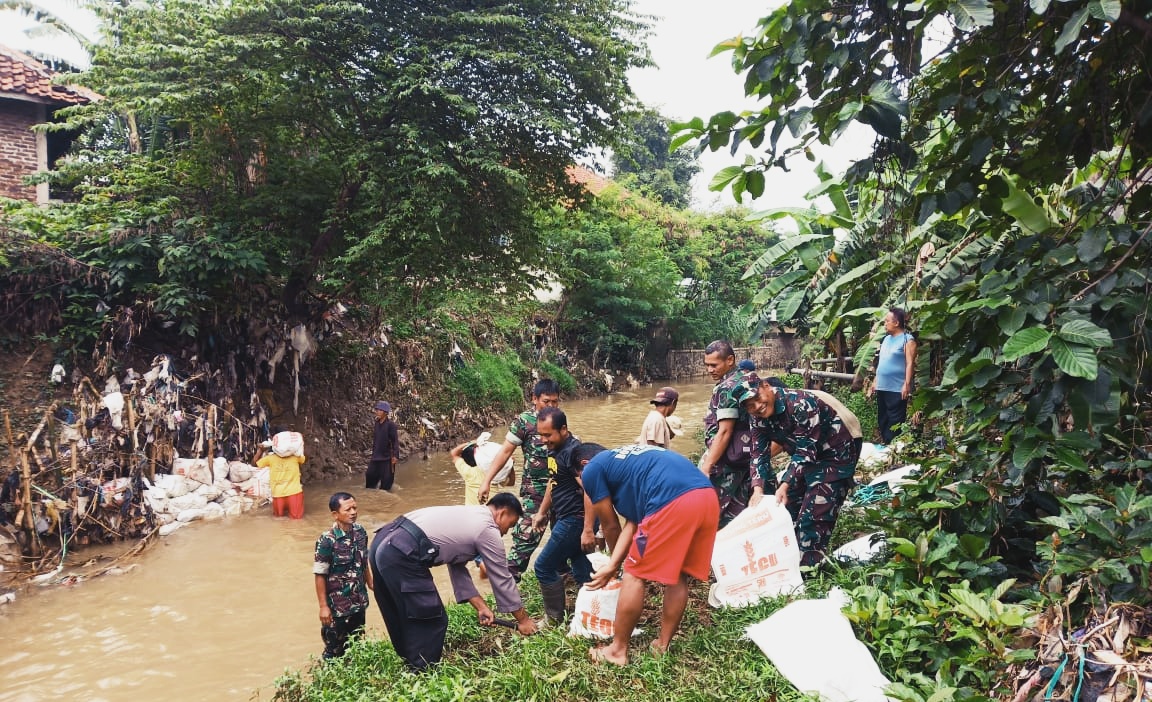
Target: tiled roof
24 75
593 182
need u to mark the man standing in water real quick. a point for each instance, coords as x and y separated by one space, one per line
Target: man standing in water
725 422
403 552
385 449
656 430
534 477
342 576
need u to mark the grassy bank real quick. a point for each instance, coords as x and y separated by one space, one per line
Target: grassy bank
710 660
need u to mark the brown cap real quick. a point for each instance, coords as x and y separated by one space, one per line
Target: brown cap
665 396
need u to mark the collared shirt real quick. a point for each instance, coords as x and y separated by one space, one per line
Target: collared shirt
821 444
522 433
655 429
342 557
724 405
463 532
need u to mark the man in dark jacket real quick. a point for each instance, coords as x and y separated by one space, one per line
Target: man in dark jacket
385 449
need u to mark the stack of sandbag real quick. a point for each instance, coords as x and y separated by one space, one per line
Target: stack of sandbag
182 497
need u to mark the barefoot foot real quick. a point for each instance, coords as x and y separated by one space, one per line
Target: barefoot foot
606 655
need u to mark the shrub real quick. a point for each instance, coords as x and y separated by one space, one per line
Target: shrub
562 377
492 380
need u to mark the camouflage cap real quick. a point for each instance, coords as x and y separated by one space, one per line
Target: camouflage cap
746 389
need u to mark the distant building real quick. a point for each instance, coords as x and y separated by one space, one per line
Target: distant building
27 98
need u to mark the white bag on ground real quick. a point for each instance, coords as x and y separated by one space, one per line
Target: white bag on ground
812 644
195 469
596 609
756 556
288 443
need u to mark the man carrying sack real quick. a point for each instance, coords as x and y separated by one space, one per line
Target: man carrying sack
823 438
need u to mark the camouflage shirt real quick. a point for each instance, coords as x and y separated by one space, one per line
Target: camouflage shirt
522 433
342 558
724 404
821 446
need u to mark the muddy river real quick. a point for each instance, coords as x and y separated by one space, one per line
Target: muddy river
219 610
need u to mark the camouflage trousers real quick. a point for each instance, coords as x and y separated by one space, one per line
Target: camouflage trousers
814 509
733 488
525 539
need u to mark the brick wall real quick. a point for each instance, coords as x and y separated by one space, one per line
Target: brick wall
775 353
17 147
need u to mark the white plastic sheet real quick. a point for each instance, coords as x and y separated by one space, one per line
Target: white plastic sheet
812 644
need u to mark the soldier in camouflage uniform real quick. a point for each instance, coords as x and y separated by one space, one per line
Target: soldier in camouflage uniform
342 576
725 417
533 478
823 438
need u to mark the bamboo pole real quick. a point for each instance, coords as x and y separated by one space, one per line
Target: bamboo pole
211 429
823 374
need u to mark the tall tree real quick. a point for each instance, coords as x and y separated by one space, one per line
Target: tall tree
645 162
358 147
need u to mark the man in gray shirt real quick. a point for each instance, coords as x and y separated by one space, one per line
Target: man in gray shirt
402 553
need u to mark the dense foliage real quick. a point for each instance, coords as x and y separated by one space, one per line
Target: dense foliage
1006 203
319 150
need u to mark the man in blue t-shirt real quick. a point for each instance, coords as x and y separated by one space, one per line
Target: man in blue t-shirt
671 513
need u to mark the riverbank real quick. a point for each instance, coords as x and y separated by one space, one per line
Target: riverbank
220 609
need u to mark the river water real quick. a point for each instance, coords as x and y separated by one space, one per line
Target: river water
219 609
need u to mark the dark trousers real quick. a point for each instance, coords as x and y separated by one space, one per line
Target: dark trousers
891 409
380 473
406 595
336 636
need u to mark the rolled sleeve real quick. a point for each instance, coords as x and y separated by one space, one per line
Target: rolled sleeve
727 413
320 568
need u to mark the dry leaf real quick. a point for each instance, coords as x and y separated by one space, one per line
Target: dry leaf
1109 658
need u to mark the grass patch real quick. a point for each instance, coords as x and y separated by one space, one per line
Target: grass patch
492 380
562 377
710 660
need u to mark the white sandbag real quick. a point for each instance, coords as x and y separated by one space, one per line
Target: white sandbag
874 455
213 510
804 636
219 469
595 612
239 471
157 499
114 491
171 527
174 485
234 506
756 556
190 515
897 477
163 518
861 550
209 492
195 469
184 502
288 443
258 485
485 452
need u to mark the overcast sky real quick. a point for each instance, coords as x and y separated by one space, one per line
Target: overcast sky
685 83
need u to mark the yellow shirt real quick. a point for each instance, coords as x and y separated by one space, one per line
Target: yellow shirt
283 474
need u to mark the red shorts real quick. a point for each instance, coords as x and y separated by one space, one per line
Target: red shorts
677 539
293 506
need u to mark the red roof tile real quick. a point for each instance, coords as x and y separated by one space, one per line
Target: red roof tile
24 75
593 182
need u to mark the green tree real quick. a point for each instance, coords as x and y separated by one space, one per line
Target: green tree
370 149
644 162
1007 204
